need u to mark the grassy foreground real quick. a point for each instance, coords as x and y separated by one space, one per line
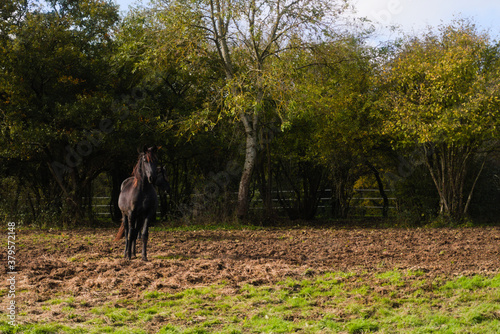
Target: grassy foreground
389 302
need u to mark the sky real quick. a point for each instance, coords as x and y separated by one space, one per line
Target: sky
413 16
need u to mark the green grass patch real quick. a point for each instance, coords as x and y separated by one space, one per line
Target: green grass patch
393 301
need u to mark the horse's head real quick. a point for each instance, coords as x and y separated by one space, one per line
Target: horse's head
149 162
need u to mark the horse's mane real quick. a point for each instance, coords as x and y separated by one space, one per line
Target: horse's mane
148 156
136 172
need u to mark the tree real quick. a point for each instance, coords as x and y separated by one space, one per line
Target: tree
441 93
334 92
248 38
159 53
55 86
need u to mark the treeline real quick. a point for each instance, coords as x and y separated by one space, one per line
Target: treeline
248 100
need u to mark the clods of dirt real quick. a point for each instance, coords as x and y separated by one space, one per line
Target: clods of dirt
90 266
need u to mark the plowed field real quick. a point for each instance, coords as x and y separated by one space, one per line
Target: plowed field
90 266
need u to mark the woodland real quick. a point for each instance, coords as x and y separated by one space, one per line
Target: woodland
269 102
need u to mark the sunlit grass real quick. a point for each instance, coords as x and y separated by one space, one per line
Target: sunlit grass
392 301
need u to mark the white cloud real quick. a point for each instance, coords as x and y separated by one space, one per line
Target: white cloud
416 15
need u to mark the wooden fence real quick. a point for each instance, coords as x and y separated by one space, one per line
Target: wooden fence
365 202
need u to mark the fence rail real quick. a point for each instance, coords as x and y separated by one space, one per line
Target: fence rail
364 202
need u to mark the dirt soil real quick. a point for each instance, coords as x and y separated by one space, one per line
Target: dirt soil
89 265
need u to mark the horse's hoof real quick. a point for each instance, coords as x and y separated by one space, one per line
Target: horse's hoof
145 259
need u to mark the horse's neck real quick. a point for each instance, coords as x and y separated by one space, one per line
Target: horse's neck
142 184
138 177
139 182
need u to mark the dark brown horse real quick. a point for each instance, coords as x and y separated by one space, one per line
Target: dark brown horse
138 201
163 186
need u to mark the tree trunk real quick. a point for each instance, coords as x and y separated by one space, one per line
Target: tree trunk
263 166
448 166
268 197
469 198
376 173
246 177
250 120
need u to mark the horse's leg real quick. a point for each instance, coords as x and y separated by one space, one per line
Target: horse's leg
140 221
137 229
145 235
126 230
134 241
132 235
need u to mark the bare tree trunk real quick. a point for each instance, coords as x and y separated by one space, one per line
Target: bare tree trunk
376 173
448 166
246 177
250 120
469 198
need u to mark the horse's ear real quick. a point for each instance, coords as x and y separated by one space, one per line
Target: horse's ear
145 149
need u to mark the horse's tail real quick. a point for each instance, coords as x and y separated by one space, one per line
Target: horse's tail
121 232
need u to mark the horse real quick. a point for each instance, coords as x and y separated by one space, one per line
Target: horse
138 201
161 183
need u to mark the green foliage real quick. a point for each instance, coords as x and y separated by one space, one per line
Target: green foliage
417 199
332 105
295 103
440 93
443 88
54 89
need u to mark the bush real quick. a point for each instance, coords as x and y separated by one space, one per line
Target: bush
485 202
417 197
